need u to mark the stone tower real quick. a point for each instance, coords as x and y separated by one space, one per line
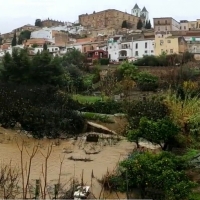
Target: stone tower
136 11
145 15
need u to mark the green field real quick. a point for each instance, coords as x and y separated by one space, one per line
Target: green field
86 99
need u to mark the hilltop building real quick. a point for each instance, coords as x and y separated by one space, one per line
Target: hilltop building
50 22
143 14
110 18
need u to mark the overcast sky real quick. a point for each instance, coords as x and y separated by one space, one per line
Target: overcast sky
16 13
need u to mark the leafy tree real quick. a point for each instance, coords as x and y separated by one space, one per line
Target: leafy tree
74 57
47 70
1 40
14 40
38 22
149 25
126 69
24 35
108 83
124 24
16 68
52 117
45 47
139 24
146 81
162 176
146 25
161 132
20 41
153 109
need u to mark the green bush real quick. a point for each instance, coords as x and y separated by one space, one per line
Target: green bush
96 116
164 59
104 61
43 111
160 176
104 107
150 108
146 81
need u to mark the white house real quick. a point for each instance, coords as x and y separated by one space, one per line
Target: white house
52 49
77 46
113 47
143 47
45 34
130 49
10 49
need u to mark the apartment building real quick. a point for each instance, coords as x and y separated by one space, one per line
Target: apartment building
165 24
58 38
184 25
169 44
108 18
120 48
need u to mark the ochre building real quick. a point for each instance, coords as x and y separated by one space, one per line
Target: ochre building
110 18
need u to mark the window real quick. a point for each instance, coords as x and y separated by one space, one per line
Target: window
171 51
136 45
168 41
151 51
158 22
165 21
145 45
145 51
84 49
161 42
166 28
158 28
136 53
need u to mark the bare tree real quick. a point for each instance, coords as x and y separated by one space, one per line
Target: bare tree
9 178
49 150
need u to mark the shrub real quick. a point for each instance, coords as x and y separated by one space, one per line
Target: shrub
44 111
104 61
152 109
160 176
104 107
98 117
147 81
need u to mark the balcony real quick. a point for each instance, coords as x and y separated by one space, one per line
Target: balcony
194 50
125 46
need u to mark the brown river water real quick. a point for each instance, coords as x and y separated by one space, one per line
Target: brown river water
105 160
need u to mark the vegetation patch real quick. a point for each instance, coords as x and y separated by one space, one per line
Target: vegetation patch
86 99
97 117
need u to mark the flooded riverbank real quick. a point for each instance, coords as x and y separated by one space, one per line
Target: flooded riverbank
109 154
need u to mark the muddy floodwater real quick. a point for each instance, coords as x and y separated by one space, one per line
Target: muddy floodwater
109 154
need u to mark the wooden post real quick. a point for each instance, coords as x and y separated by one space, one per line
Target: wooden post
37 189
56 190
127 195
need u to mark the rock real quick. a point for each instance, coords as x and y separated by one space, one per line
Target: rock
29 135
18 125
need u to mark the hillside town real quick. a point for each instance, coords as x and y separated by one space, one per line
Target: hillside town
106 107
120 35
